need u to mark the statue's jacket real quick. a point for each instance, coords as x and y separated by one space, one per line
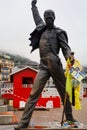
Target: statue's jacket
40 28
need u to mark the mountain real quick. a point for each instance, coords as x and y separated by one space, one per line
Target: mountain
19 60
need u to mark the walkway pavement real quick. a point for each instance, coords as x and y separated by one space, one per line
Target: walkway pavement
45 117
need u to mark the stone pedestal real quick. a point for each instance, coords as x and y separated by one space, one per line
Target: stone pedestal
5 119
3 108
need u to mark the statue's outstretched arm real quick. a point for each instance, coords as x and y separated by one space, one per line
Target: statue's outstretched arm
38 20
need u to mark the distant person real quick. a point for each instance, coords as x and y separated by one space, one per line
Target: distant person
49 39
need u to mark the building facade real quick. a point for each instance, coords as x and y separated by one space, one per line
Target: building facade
19 88
6 65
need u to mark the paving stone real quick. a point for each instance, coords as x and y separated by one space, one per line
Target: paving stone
11 113
49 129
5 119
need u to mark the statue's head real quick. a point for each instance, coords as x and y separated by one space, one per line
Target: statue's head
49 13
49 17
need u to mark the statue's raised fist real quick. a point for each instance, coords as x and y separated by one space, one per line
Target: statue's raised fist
34 2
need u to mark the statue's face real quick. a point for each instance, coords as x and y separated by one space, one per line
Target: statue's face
49 18
49 22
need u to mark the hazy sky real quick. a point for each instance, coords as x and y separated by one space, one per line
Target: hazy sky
16 23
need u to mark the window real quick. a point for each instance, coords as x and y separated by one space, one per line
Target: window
27 82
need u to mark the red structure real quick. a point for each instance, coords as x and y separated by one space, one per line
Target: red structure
22 81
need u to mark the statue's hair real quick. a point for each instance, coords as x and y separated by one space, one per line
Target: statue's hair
49 12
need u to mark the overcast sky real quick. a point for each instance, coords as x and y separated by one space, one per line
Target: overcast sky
16 23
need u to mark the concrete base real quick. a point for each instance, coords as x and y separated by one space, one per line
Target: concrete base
1 102
50 129
40 129
10 108
4 108
5 119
